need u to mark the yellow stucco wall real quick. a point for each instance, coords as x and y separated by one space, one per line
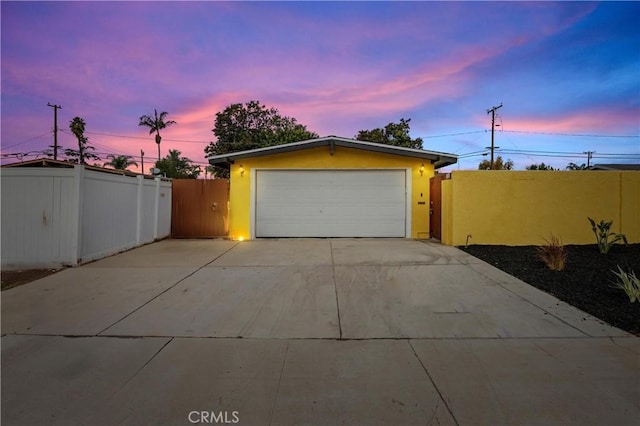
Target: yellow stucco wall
524 207
320 158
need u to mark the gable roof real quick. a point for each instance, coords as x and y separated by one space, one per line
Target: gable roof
615 167
60 164
42 162
438 159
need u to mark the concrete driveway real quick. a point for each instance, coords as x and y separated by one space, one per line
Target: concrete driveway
306 331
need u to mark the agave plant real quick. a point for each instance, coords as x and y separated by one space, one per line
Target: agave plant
629 283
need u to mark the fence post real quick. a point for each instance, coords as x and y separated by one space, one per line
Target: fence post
139 207
156 216
78 219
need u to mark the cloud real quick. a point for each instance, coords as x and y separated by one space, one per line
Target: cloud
585 121
337 68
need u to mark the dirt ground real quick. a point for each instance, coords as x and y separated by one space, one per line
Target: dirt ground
586 282
12 279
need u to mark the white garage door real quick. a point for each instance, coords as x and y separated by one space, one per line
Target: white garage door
331 203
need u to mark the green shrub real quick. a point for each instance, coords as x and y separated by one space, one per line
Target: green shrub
604 238
553 253
629 283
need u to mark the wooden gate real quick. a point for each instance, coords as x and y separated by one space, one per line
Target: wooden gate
199 208
435 204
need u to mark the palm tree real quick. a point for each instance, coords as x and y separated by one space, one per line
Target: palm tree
80 156
177 167
155 123
574 166
120 162
77 126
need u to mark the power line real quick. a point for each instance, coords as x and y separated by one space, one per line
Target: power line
454 134
93 143
531 132
473 154
143 138
107 149
423 137
534 153
135 137
545 154
528 151
549 155
552 153
28 140
580 155
570 134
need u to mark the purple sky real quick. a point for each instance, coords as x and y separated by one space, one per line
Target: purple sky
559 69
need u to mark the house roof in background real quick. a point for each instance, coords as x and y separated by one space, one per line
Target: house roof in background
47 162
438 159
615 167
41 162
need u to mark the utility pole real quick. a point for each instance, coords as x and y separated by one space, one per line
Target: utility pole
492 111
142 160
55 129
589 157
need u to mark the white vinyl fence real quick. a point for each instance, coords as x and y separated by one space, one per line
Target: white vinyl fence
68 216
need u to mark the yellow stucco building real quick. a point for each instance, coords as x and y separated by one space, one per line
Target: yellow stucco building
330 187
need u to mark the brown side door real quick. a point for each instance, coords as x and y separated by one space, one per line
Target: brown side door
435 206
199 208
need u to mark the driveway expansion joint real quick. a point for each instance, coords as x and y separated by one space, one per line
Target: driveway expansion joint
612 339
277 392
168 288
143 366
335 288
434 384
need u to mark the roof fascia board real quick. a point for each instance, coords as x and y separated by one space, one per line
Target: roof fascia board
435 157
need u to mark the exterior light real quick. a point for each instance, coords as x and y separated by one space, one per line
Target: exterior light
422 169
241 170
240 238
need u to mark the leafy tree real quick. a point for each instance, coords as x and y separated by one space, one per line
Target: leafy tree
392 134
252 125
176 167
120 162
77 126
574 166
73 156
498 164
211 171
155 123
540 166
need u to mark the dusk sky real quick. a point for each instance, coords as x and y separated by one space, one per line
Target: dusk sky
568 74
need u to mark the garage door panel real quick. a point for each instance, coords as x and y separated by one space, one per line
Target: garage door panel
330 203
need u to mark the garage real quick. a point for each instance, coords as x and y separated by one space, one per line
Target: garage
331 203
330 187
